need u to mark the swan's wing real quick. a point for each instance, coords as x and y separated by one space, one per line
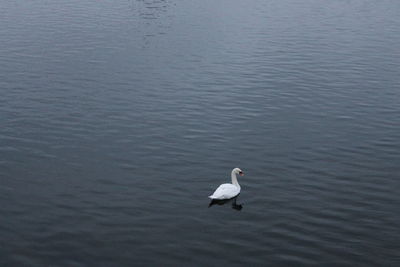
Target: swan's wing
225 191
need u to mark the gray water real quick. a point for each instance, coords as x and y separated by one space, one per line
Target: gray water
119 118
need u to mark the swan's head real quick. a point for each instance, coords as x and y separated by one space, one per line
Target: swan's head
238 171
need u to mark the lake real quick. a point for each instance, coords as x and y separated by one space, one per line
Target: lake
119 118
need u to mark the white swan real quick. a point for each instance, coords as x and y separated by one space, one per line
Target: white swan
227 191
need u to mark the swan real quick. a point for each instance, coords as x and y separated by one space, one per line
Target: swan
227 191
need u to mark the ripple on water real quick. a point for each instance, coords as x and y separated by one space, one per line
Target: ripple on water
119 118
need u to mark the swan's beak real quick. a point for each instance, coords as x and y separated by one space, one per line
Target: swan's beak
241 173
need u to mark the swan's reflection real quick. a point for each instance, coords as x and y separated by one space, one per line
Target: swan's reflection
225 201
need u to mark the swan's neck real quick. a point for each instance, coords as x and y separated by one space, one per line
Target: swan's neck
234 179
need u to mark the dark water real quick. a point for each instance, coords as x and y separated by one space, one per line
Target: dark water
119 118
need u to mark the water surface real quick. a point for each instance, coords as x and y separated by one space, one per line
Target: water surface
119 118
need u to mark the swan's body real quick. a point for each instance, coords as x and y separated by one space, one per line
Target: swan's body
227 191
